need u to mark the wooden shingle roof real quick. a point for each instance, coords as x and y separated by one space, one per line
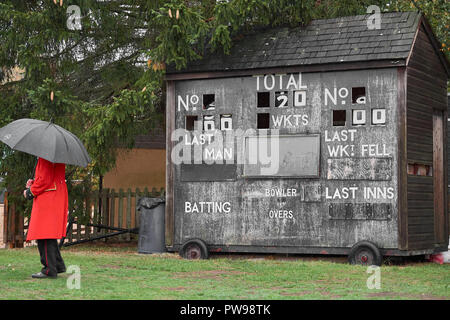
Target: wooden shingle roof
345 39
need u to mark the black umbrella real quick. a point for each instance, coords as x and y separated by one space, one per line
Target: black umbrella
45 140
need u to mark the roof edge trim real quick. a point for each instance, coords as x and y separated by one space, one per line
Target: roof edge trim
322 67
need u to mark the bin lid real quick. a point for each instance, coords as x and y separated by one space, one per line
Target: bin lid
149 203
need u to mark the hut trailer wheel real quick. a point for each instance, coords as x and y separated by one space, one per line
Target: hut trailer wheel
194 249
365 253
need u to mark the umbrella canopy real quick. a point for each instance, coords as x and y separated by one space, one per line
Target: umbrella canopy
45 140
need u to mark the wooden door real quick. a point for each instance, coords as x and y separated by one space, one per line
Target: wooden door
439 172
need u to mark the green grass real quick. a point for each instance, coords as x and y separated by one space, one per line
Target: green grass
121 273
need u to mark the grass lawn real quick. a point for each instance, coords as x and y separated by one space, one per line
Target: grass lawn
119 272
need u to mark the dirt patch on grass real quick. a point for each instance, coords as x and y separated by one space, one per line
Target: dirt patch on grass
165 255
103 247
175 289
209 274
86 252
110 244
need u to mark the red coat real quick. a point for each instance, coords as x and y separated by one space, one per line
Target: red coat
50 203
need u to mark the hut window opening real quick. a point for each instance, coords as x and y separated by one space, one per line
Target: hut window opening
281 99
420 169
339 118
190 122
263 121
209 102
263 100
359 95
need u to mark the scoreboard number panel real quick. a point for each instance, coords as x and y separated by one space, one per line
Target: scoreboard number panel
299 98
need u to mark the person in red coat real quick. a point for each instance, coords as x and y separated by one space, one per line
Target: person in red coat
49 215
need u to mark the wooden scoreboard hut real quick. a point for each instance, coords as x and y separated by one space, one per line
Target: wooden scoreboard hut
334 141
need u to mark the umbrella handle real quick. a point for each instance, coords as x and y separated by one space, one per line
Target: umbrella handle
35 165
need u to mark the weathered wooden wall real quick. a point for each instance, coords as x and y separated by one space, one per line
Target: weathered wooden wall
366 157
140 167
137 168
426 144
448 138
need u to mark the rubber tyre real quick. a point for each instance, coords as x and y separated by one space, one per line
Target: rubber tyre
194 249
365 253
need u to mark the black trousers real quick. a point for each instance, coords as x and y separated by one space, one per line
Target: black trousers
50 257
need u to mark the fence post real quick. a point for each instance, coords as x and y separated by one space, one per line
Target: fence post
6 220
104 213
78 234
13 225
96 213
137 214
120 222
69 236
113 208
17 227
128 219
89 213
19 238
87 230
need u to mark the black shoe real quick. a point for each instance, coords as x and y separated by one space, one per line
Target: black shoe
41 275
62 270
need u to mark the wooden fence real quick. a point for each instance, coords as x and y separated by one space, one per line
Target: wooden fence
13 225
108 208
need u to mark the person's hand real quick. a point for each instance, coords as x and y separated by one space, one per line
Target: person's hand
29 183
25 194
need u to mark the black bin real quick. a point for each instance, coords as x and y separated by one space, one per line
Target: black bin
152 228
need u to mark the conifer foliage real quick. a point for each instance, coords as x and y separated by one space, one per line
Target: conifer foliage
103 78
